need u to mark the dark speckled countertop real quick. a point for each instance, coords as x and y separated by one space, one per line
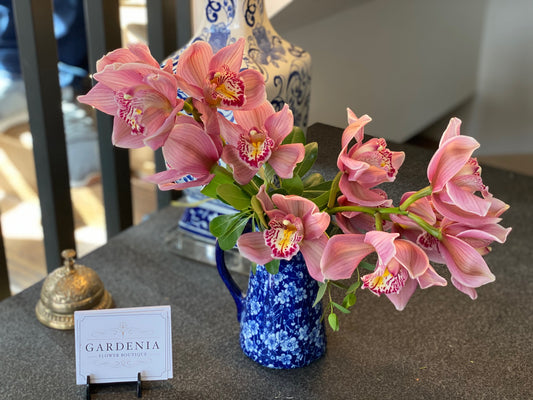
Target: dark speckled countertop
442 346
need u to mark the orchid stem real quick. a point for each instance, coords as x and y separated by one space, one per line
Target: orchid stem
416 196
424 225
367 210
334 190
379 221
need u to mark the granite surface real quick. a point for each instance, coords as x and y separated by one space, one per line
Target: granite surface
442 346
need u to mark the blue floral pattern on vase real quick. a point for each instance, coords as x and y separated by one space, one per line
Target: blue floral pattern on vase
280 328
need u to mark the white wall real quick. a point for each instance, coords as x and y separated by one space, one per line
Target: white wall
405 63
501 114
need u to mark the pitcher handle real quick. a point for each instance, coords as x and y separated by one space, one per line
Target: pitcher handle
228 280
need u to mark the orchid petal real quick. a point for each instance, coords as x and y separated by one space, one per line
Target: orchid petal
230 55
465 264
166 85
159 138
449 159
383 242
285 158
122 136
188 148
342 255
451 131
431 278
142 52
252 246
193 63
355 193
280 124
315 224
100 97
134 53
454 213
167 180
401 298
254 118
242 172
355 128
312 251
254 88
264 199
411 257
491 232
471 292
126 76
468 202
294 205
229 131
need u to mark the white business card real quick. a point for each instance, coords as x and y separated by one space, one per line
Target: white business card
114 345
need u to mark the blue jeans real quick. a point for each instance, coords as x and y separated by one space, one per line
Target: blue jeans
69 31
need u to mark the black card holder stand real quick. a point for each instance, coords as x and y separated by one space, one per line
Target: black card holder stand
92 385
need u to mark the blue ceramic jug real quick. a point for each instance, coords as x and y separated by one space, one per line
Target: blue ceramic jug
280 328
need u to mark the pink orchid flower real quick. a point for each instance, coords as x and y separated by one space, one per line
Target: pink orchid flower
295 225
455 177
217 79
365 165
401 267
140 95
257 138
188 150
461 248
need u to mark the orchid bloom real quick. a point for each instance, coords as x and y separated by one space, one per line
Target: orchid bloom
365 165
189 150
401 267
217 79
461 248
256 139
140 95
295 225
455 177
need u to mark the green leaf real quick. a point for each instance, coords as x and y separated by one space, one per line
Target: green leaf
229 239
272 267
234 196
321 200
296 136
367 266
321 291
333 322
228 228
293 185
349 300
270 174
316 190
354 286
221 177
311 153
340 308
258 210
219 225
313 180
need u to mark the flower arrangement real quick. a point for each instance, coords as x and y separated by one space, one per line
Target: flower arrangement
260 165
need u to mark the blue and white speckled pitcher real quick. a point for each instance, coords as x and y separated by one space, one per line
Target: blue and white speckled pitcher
280 328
